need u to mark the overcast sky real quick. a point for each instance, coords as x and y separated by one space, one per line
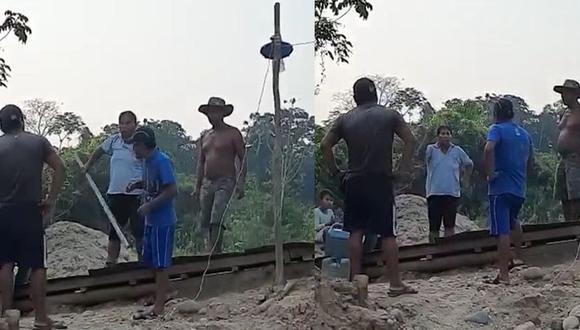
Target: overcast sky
161 59
463 48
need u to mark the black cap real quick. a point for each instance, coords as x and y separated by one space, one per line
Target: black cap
145 135
11 117
364 91
11 112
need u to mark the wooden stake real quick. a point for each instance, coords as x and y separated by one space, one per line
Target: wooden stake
104 205
13 319
362 288
277 152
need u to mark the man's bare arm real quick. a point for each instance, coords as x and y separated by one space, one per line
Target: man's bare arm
240 147
531 161
328 142
563 120
54 161
488 159
95 156
167 193
404 132
200 165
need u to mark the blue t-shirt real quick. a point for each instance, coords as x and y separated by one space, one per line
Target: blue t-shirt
157 174
512 150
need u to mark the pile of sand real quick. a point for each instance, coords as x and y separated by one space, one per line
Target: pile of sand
73 249
413 223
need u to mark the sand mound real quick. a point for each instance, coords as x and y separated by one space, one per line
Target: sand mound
413 223
73 249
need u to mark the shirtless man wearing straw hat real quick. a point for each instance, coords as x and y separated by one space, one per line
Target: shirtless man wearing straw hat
219 151
568 176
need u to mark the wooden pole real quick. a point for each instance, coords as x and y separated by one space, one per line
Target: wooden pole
277 153
104 205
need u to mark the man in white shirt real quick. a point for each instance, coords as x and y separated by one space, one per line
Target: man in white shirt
125 169
445 163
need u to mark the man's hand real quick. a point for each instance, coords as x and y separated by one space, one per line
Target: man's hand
132 186
240 191
195 196
46 206
144 209
84 169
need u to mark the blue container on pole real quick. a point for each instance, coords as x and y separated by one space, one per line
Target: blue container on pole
268 50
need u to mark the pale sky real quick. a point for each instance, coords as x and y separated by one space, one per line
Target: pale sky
160 58
462 48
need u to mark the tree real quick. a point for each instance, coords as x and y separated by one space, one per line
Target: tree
297 148
15 23
329 41
66 125
41 116
408 101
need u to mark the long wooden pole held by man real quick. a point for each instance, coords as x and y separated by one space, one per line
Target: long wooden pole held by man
277 154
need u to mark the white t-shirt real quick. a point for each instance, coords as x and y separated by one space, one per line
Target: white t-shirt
124 166
321 218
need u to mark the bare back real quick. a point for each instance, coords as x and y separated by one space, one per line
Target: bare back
569 137
219 149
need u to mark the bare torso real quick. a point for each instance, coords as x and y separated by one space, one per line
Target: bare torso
569 137
219 149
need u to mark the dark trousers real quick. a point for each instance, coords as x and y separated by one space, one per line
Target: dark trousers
442 209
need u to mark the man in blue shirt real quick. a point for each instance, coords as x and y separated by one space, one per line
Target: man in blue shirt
508 156
158 209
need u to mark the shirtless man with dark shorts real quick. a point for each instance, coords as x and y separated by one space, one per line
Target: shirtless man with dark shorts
220 150
568 176
369 131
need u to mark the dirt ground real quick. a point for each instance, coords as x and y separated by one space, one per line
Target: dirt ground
413 223
445 301
73 249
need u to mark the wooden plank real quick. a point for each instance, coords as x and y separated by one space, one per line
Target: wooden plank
297 250
540 255
215 285
448 247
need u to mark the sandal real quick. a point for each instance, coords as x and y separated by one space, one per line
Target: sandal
496 281
150 315
515 263
395 292
49 325
150 301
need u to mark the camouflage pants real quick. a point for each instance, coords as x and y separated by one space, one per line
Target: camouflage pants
214 197
567 185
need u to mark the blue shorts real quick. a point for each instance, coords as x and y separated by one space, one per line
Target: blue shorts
158 245
503 213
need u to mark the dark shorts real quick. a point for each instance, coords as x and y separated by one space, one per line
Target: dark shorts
442 209
22 236
158 246
503 213
124 209
370 205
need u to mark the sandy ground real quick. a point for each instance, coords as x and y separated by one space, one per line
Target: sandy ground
413 223
73 249
445 301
